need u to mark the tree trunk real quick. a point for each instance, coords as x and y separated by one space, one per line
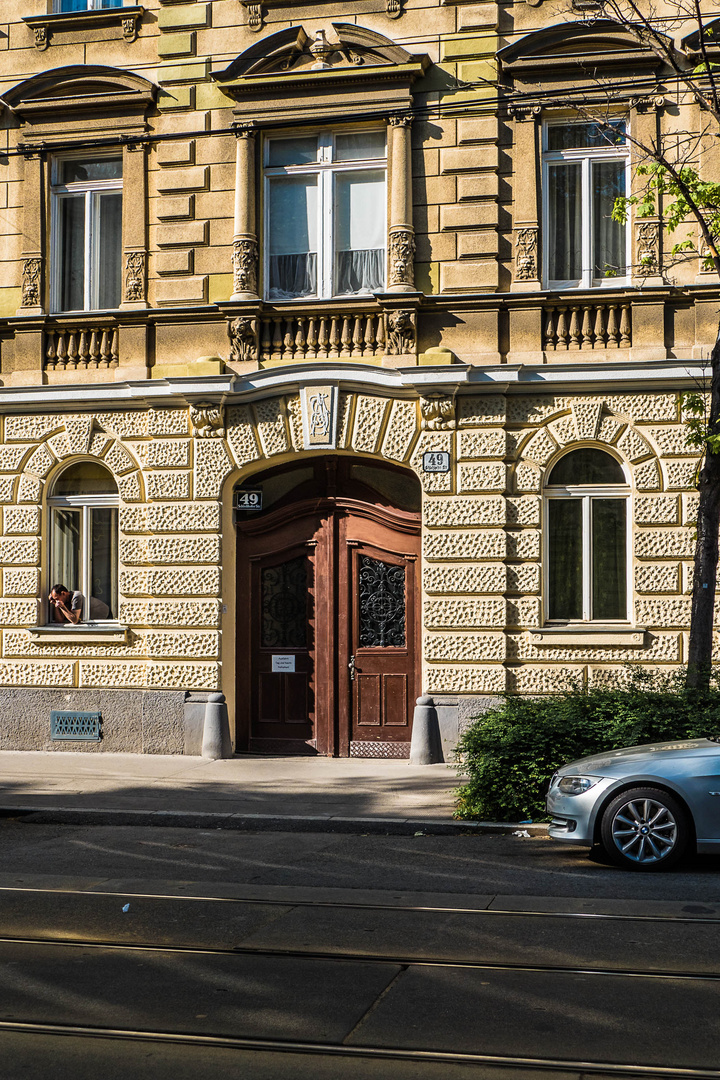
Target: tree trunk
706 547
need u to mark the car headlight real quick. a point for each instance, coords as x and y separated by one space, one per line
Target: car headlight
576 785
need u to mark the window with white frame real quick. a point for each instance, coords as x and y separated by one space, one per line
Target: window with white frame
585 169
325 216
60 6
86 217
586 541
84 537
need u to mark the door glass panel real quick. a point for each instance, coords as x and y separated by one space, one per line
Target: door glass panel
565 544
103 562
382 603
284 605
609 548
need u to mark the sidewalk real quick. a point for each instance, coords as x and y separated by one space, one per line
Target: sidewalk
244 792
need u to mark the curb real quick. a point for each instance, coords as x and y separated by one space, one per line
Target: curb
182 819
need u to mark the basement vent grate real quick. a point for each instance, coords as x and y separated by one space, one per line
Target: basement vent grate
78 726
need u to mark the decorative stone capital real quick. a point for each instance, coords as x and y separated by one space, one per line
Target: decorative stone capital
244 129
402 258
42 37
130 26
401 336
31 282
245 264
243 339
255 15
519 112
207 420
401 120
437 412
526 247
394 8
135 275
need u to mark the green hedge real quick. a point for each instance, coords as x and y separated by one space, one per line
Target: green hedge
511 751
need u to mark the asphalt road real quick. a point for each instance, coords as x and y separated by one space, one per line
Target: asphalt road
170 954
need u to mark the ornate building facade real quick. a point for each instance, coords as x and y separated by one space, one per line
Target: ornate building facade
326 377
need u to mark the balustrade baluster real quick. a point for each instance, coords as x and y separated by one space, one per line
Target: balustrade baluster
334 336
612 327
72 350
370 335
288 350
105 350
346 338
83 349
300 340
562 328
381 335
312 339
625 331
574 342
115 347
61 351
50 355
600 328
277 345
549 335
266 339
94 360
323 340
357 338
587 327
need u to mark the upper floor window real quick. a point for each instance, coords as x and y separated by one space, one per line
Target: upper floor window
60 6
325 222
585 169
86 213
587 538
84 540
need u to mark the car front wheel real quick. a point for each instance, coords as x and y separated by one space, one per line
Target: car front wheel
645 829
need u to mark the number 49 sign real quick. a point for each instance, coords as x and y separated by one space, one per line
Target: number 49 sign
436 461
248 500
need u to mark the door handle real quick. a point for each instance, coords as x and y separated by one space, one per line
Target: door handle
351 665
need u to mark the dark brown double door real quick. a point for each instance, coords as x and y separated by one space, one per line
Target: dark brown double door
327 619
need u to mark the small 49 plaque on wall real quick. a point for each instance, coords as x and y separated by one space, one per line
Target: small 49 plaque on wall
436 461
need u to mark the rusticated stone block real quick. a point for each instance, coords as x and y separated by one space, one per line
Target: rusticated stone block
672 441
433 441
681 475
664 543
124 425
170 549
468 679
29 488
40 463
183 676
534 408
524 612
186 612
665 647
21 581
112 674
7 488
523 545
60 445
401 430
482 443
196 644
11 456
587 412
451 648
544 680
241 438
540 448
463 578
688 577
488 544
527 477
180 581
446 513
21 519
177 517
18 612
564 430
129 487
523 577
633 446
647 476
656 510
99 443
481 410
212 466
119 460
490 476
271 426
657 577
369 416
43 673
644 408
690 503
610 428
165 453
453 614
20 643
168 485
293 408
167 422
18 550
31 428
79 430
346 409
524 510
667 612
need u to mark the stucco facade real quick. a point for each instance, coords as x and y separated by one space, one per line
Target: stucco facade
194 384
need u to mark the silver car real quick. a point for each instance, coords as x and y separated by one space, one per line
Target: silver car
646 805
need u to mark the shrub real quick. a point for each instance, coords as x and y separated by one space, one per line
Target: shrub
511 751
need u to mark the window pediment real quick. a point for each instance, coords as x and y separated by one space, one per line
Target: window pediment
45 26
575 46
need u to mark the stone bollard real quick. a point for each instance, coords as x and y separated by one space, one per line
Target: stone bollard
216 729
425 745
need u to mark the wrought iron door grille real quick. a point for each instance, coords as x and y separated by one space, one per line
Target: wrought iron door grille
75 726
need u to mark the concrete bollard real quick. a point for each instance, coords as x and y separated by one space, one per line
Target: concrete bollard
216 729
425 745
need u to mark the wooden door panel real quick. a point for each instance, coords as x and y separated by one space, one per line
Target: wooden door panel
395 700
369 698
270 698
296 697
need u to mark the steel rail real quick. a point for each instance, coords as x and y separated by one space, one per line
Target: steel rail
363 958
287 1046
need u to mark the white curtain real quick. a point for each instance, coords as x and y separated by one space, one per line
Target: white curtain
108 258
359 232
66 548
565 225
608 182
293 237
72 263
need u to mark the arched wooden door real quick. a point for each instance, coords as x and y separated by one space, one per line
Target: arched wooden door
328 612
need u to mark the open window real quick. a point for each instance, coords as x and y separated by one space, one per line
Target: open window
63 6
586 542
84 538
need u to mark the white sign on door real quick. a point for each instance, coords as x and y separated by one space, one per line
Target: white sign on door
283 663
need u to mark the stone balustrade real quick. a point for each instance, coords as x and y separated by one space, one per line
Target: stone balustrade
81 348
587 326
351 335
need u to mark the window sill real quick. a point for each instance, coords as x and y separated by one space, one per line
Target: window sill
98 632
574 634
44 26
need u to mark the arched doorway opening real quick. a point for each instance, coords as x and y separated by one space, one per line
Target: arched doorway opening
328 616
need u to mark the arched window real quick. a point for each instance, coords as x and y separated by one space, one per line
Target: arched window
84 538
587 538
